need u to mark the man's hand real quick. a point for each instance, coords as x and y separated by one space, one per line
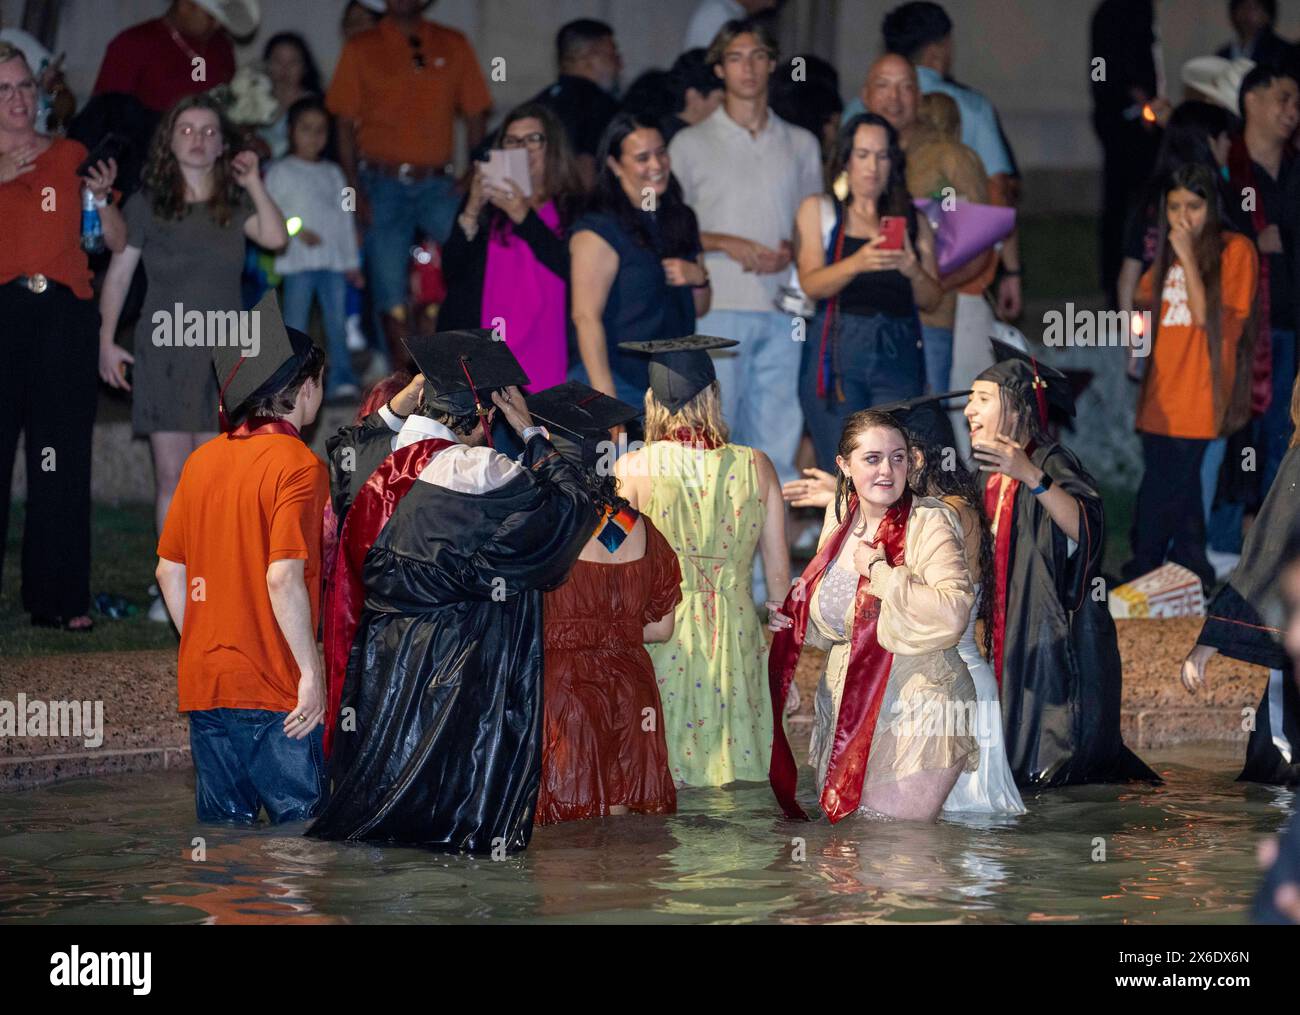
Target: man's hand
1193 672
404 402
514 408
310 710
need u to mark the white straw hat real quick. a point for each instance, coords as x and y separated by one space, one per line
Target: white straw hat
238 17
1218 79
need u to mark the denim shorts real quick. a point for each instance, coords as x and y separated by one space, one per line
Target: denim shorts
244 761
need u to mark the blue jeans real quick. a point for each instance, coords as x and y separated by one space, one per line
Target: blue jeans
399 209
1275 424
760 381
880 361
243 761
331 289
936 343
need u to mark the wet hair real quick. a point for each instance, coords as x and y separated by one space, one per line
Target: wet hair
908 29
162 172
930 479
603 488
854 427
575 36
731 31
1262 75
1028 426
458 423
311 80
678 230
691 70
703 414
895 199
280 403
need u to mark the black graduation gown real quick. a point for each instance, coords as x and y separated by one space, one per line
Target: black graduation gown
1061 671
445 673
1244 621
354 453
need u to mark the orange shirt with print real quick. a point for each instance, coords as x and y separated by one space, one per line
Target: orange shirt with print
242 503
405 113
1177 397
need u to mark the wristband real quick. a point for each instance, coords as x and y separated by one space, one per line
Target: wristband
104 202
1043 486
534 431
389 406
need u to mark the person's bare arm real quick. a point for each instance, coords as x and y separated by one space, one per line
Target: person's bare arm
771 539
818 280
702 295
921 269
286 584
660 630
112 295
172 583
593 267
265 226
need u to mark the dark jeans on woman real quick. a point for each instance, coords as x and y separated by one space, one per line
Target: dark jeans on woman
49 388
880 361
1169 518
244 761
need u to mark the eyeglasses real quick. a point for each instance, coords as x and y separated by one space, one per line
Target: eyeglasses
188 130
27 87
533 142
417 52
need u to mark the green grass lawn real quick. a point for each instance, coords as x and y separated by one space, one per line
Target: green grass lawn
122 563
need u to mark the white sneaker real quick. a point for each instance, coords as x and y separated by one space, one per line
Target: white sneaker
1223 563
158 611
356 338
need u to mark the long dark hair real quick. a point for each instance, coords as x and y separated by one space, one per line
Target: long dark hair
561 180
311 80
894 199
1199 180
162 173
678 231
929 478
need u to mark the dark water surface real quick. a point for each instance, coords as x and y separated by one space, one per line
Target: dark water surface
121 850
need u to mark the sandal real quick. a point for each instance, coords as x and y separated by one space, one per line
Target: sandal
65 625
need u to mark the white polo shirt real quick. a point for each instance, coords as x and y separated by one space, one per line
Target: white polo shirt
746 185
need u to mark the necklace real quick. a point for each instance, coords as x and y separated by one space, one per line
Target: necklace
180 41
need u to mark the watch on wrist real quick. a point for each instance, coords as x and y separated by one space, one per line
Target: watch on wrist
1044 484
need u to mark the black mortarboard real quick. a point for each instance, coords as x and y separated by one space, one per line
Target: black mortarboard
1036 382
579 419
680 368
462 368
273 362
925 418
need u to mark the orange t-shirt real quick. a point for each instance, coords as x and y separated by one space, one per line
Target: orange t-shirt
40 213
404 113
1177 397
241 504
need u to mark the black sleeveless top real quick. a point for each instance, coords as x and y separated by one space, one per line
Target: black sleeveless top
875 292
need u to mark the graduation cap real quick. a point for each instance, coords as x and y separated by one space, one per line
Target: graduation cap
280 355
1036 382
462 368
680 368
579 419
925 418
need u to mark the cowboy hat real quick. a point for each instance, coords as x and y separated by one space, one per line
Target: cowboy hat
238 17
1218 79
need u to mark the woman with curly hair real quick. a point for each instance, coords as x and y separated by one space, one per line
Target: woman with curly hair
603 747
202 197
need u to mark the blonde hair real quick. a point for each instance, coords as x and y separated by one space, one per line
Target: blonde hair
703 414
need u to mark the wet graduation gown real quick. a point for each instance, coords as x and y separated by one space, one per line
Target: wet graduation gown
445 670
1244 621
1060 672
353 453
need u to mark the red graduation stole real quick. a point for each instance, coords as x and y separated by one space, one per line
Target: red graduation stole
1001 513
345 593
259 426
864 686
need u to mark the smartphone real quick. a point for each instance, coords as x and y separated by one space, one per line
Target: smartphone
110 146
891 228
508 164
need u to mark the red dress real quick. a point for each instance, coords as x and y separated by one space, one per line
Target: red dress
603 733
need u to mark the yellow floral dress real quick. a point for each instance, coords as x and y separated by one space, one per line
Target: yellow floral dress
712 673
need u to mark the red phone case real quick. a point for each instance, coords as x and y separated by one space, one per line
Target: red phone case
891 228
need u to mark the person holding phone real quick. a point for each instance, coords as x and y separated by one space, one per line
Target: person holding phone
868 260
506 262
203 196
47 327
